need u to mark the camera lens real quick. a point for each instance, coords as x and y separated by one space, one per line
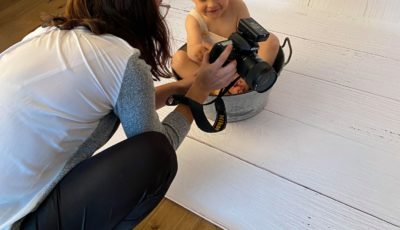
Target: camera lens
259 75
263 77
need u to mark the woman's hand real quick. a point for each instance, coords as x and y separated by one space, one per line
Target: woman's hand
212 76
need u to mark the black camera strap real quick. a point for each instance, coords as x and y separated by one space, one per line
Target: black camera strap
198 113
198 110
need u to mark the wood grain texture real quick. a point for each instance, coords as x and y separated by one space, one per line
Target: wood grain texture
361 34
18 18
372 9
368 119
353 173
169 215
238 195
332 123
356 174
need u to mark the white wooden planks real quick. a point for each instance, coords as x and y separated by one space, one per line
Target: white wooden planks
362 34
360 116
357 174
236 195
332 123
369 73
362 177
373 9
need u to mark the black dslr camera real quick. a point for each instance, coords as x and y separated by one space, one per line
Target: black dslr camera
259 75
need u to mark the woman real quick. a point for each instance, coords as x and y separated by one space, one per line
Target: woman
63 90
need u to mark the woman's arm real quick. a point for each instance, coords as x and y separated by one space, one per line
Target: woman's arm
136 103
163 92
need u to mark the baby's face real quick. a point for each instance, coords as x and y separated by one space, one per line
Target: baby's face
211 8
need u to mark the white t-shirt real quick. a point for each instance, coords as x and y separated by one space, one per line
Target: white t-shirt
60 97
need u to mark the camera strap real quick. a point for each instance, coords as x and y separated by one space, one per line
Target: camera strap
198 113
198 110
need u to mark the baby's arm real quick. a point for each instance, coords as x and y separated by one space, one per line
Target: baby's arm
195 43
241 9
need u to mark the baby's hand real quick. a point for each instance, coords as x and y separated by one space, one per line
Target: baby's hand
198 57
207 45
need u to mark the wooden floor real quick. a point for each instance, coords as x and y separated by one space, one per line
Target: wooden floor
325 151
19 17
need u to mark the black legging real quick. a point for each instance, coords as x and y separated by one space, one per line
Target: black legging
114 189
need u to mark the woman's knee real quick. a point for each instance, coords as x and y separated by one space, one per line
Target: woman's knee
145 160
160 157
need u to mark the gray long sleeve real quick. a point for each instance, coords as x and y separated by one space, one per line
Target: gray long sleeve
135 105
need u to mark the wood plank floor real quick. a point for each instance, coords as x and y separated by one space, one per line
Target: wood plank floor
331 126
18 18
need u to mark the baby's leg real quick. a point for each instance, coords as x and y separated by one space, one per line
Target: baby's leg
269 49
183 65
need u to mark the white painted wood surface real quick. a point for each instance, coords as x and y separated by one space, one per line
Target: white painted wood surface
325 152
237 195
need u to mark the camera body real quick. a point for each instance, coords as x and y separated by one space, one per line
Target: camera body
258 74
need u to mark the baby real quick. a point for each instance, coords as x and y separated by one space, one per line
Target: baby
213 21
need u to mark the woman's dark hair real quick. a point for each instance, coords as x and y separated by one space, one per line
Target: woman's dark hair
138 22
